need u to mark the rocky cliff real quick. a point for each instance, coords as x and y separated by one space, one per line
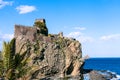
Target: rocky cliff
50 55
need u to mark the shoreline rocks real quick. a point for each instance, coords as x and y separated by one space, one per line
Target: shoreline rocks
90 74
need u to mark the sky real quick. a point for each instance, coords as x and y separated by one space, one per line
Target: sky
94 23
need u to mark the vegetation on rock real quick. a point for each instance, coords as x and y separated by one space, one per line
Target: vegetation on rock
41 28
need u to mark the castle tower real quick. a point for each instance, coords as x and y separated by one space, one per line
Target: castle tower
40 20
41 27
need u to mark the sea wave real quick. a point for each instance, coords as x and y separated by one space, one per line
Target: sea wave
117 77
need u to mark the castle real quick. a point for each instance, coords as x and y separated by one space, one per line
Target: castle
32 33
27 31
52 54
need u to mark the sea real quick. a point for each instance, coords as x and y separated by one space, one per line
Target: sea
107 64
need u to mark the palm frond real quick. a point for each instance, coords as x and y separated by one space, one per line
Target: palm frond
14 65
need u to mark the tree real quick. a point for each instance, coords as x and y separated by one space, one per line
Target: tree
14 65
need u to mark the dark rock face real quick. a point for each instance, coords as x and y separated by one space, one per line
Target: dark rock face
53 55
90 74
94 75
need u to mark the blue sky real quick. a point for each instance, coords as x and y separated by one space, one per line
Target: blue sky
95 23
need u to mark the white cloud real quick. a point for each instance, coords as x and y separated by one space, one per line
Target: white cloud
80 28
6 36
5 3
80 36
111 37
84 39
75 34
0 41
23 9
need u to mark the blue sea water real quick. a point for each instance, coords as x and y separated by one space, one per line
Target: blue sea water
110 64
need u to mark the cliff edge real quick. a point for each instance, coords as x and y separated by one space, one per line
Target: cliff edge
50 54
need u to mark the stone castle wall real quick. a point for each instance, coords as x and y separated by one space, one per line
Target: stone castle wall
22 34
23 31
27 33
